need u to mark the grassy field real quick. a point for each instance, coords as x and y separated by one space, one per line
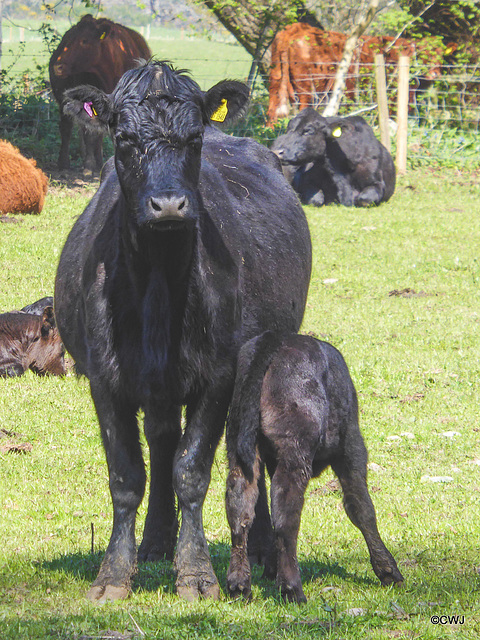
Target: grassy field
396 288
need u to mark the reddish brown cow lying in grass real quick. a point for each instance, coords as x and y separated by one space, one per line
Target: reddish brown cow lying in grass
29 341
22 184
295 408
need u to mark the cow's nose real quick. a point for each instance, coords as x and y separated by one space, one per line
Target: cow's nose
169 207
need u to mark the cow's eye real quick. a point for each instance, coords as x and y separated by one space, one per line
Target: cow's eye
308 131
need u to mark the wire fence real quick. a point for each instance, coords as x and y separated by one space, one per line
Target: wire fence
444 115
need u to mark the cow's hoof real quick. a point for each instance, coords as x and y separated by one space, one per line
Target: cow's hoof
193 589
107 593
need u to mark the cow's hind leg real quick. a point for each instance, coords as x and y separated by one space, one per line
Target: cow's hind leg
118 423
241 498
66 127
352 473
191 477
289 483
162 430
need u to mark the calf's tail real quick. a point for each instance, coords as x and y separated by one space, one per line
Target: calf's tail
243 422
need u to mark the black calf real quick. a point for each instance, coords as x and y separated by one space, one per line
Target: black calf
294 408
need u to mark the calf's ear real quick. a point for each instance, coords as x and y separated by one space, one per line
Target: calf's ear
48 321
89 106
226 101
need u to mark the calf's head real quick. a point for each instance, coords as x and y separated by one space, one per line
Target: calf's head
157 116
46 353
304 140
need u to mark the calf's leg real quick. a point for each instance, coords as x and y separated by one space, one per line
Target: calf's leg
163 431
289 483
352 473
241 497
119 428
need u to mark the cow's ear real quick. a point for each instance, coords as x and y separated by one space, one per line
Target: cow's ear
226 101
88 105
48 321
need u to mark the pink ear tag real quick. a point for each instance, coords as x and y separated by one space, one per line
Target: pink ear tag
89 108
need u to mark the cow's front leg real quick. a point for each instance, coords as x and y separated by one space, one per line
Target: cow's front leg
119 428
191 477
162 430
372 194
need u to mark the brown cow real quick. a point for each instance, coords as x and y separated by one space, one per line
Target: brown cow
95 52
22 184
29 341
305 61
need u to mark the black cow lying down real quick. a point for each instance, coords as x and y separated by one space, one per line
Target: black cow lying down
193 244
30 341
335 160
295 408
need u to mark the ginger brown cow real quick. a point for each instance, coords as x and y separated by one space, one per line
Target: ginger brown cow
97 52
22 184
305 61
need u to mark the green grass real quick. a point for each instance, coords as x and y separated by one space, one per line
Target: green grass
415 362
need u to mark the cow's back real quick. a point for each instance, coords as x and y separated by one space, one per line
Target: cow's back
264 227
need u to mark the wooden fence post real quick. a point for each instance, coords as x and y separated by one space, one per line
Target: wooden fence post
402 114
381 86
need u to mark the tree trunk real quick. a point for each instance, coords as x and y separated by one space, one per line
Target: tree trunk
339 86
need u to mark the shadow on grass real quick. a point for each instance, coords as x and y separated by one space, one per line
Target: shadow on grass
152 576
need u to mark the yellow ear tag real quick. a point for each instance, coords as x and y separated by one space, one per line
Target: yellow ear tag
103 35
221 113
336 133
448 50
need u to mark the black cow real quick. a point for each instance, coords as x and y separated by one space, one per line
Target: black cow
192 245
295 408
30 341
335 160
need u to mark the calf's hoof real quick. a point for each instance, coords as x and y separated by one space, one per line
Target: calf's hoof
292 593
194 587
107 593
239 586
391 576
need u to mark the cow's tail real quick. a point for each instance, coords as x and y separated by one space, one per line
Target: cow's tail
243 422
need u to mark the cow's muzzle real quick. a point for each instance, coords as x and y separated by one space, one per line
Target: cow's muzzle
169 211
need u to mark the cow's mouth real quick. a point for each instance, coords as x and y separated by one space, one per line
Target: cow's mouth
169 224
